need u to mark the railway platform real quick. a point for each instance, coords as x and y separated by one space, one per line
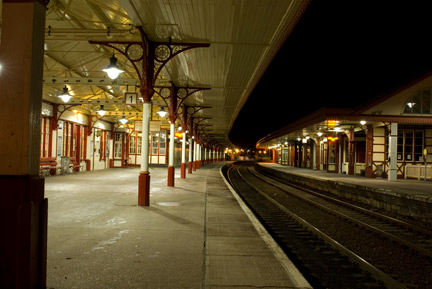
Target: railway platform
407 197
197 234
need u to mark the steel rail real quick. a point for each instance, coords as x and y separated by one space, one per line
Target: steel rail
387 235
362 263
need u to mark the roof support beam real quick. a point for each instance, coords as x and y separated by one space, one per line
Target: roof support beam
90 81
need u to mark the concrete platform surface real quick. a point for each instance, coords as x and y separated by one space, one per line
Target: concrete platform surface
419 190
193 235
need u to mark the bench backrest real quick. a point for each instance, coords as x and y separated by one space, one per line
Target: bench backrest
48 161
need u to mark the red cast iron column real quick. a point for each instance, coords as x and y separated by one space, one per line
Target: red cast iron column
174 97
148 58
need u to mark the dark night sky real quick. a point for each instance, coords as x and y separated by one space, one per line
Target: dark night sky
340 54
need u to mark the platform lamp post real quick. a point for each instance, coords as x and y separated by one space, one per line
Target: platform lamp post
148 58
174 98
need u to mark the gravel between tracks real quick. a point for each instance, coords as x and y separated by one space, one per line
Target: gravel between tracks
405 266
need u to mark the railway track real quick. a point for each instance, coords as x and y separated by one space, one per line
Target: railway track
413 237
323 260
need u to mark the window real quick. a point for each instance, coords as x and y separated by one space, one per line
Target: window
132 143
162 146
409 138
154 142
157 143
139 143
418 146
135 143
400 144
118 146
420 103
410 145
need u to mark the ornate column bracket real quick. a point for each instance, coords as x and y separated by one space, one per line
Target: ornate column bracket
174 97
58 110
94 119
202 130
184 118
190 112
148 57
199 128
199 119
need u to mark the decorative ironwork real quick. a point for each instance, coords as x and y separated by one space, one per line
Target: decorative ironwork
174 97
162 53
148 58
135 52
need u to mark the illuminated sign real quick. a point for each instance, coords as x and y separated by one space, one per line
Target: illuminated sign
332 138
178 134
331 123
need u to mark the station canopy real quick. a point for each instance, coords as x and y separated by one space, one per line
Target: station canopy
408 104
244 37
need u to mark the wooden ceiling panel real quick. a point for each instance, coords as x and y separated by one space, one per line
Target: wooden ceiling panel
244 36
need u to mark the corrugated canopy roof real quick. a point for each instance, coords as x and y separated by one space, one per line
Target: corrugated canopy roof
244 37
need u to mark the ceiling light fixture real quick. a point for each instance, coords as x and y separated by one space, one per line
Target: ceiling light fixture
101 111
162 112
112 69
65 96
123 120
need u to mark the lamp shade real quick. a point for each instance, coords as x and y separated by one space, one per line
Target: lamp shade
112 69
123 120
162 112
65 96
101 111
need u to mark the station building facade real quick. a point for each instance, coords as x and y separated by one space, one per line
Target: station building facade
388 137
98 144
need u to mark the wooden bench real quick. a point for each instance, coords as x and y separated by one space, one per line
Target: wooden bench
50 165
74 165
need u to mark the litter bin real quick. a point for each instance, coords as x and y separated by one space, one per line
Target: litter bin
65 161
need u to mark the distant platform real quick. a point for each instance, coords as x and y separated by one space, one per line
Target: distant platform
410 198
